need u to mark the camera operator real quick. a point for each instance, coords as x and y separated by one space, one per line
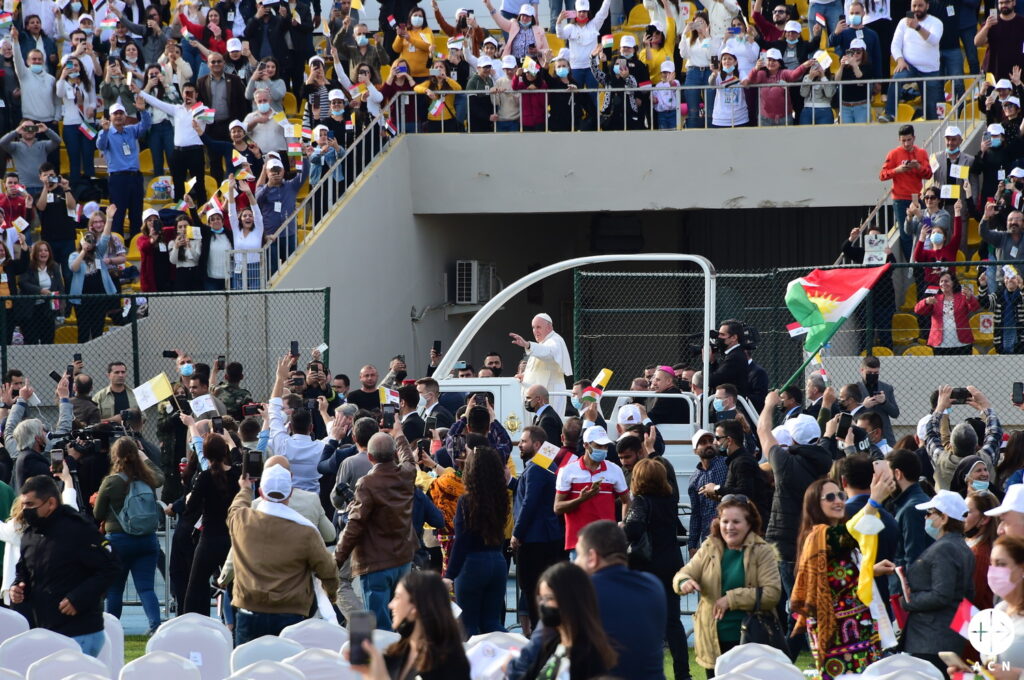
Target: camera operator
133 421
29 437
732 366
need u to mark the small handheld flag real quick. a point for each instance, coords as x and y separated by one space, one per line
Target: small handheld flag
436 107
87 130
608 42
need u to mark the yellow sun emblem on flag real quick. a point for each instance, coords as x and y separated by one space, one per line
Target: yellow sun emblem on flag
825 303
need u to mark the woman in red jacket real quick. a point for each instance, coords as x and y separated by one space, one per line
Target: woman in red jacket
214 35
950 311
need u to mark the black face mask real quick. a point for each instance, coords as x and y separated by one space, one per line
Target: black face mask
528 405
400 376
971 533
32 518
405 628
496 370
551 617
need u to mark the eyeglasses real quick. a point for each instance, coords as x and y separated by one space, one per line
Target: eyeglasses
831 497
734 498
931 197
721 436
855 50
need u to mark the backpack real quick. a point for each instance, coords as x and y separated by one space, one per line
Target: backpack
140 514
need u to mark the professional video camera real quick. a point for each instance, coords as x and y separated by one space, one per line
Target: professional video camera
91 439
749 340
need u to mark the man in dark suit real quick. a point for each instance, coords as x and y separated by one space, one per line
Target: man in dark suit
225 93
792 402
757 378
537 399
666 411
433 414
815 390
877 396
413 426
732 366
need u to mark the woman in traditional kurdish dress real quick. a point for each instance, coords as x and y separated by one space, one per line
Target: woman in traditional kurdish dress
834 594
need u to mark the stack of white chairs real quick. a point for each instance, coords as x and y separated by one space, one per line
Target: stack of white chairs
24 649
741 654
316 634
11 623
200 639
66 662
7 674
112 653
382 639
160 665
322 664
266 648
86 676
268 670
906 666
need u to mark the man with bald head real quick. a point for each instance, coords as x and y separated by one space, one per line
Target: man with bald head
548 359
666 411
367 397
544 416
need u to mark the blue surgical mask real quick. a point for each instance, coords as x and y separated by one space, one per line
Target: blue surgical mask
36 68
263 107
598 455
856 19
215 231
718 405
74 74
362 40
562 72
996 141
792 41
953 152
937 238
525 24
417 20
76 7
931 529
979 485
577 403
186 370
728 69
422 403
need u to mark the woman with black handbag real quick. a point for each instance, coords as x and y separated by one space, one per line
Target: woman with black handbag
734 571
650 527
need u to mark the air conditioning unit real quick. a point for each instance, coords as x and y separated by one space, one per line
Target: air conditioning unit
475 282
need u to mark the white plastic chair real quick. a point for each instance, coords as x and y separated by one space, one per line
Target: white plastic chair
11 623
487 660
904 674
268 670
24 649
199 620
160 666
198 643
382 639
742 653
316 634
7 674
112 653
66 662
321 664
902 662
86 676
769 668
733 676
266 648
500 640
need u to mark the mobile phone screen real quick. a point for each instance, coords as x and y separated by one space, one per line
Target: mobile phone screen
361 625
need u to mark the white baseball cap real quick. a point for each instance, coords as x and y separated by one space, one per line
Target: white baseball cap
490 39
1012 100
596 435
115 107
234 45
794 26
508 61
526 9
700 434
276 484
316 58
668 66
773 54
84 17
627 41
953 131
995 129
149 213
1017 172
803 428
1003 84
782 435
1012 502
948 503
629 414
858 44
274 163
335 94
236 123
484 62
922 426
317 129
582 5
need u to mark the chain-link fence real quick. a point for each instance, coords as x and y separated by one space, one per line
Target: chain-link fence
254 328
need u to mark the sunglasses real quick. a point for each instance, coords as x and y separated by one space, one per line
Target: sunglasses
831 497
734 498
721 436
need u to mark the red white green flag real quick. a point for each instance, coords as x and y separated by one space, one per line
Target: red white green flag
824 299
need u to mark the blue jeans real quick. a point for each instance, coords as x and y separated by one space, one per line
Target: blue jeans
666 120
951 63
697 75
194 59
215 284
967 40
584 78
812 115
251 625
461 104
899 208
138 555
831 11
91 643
854 114
506 126
238 282
81 153
932 92
480 591
378 589
556 7
161 145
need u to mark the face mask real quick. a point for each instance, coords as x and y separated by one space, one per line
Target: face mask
581 20
400 376
362 40
931 529
718 405
627 53
76 7
131 60
186 370
792 41
338 114
551 617
728 69
422 403
997 142
598 455
417 20
979 485
937 239
74 74
263 107
1000 581
577 403
953 152
528 406
36 68
856 19
405 628
32 518
215 231
525 24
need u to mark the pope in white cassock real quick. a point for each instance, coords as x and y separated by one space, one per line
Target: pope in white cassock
548 361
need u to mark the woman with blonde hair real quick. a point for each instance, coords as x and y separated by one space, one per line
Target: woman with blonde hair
131 476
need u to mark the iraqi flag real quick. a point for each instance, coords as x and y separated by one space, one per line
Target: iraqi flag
824 299
964 613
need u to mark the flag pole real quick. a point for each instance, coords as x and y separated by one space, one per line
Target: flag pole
811 356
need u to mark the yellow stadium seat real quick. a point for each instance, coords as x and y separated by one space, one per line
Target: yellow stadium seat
904 113
905 330
65 164
878 352
66 335
973 233
638 16
149 187
910 299
133 248
146 162
980 338
974 351
211 186
385 71
554 43
291 106
918 351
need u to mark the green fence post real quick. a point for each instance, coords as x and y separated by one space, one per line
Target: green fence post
327 324
135 348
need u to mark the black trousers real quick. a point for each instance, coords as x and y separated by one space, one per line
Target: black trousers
186 162
182 552
211 551
91 314
218 130
531 561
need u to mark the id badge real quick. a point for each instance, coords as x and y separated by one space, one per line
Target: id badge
125 149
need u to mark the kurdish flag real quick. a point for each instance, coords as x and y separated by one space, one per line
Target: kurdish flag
436 107
87 130
607 42
294 149
824 299
111 22
6 20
